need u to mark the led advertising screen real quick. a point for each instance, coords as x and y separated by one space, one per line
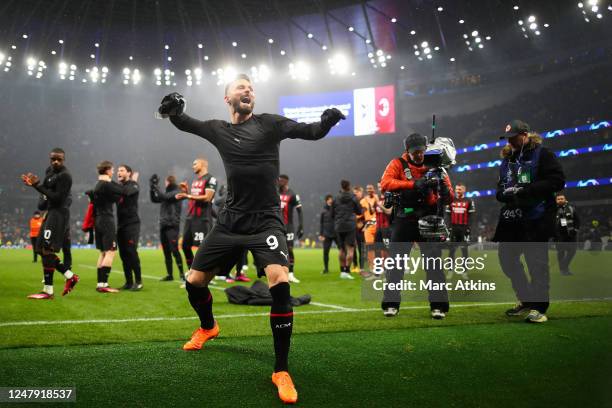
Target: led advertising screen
368 111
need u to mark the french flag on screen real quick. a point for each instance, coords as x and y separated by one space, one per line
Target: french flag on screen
374 110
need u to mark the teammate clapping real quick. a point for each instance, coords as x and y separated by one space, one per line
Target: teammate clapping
128 229
169 223
199 209
55 190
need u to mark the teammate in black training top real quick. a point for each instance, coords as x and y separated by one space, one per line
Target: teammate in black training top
289 201
169 222
128 229
105 194
55 189
199 208
249 146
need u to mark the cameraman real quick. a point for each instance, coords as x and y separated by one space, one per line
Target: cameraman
406 176
529 177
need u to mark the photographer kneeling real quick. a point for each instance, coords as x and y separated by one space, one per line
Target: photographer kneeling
418 192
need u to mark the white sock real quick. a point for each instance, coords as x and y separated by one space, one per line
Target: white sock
68 274
100 285
48 289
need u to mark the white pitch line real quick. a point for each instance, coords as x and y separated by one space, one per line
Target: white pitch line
148 319
156 278
332 306
231 316
121 272
222 288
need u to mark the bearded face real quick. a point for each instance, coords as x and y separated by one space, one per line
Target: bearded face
241 97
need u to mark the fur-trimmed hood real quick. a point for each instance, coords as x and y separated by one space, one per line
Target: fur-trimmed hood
534 141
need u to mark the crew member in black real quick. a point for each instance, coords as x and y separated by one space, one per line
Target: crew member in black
199 208
55 191
128 229
566 233
345 208
105 194
249 147
290 201
327 233
169 223
529 177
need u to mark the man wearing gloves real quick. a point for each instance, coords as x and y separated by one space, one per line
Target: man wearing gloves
529 177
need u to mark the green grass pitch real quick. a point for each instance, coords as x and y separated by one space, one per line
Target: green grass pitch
124 349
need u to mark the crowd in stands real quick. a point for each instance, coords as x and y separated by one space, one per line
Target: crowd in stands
578 99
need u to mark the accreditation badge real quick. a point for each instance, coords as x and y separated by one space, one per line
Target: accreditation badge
524 177
408 173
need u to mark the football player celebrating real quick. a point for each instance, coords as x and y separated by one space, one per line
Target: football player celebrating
105 194
128 230
462 212
199 209
249 146
55 189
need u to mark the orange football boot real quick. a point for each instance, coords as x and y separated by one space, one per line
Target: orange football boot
286 390
201 336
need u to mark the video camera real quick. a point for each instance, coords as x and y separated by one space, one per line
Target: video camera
440 153
439 157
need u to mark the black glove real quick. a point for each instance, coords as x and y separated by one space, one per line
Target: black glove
172 105
154 180
300 232
330 117
425 183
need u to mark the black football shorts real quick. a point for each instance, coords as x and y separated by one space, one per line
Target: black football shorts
195 231
346 238
54 230
262 233
106 235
